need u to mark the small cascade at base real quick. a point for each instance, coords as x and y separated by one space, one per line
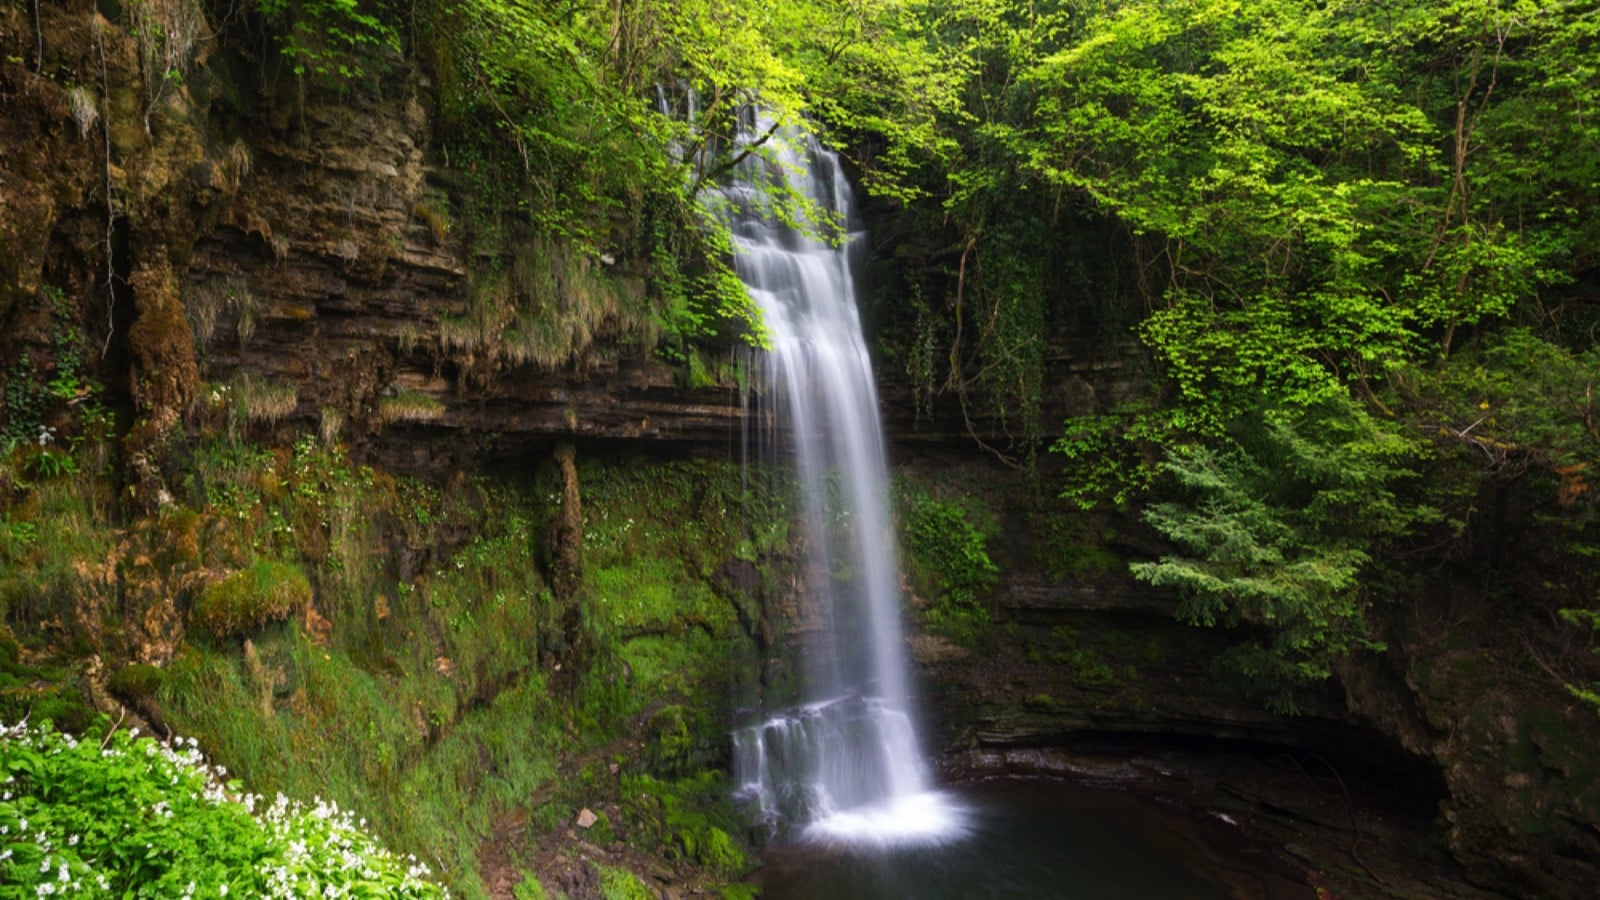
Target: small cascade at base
797 766
846 764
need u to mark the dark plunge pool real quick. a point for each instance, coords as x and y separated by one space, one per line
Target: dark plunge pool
1043 839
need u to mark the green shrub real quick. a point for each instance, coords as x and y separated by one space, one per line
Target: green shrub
116 816
267 591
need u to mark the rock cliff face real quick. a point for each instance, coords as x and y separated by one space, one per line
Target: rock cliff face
300 239
240 252
1469 746
334 272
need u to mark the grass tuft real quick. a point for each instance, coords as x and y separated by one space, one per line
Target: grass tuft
261 400
410 406
246 600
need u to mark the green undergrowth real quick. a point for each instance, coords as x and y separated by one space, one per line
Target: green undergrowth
677 555
397 646
407 685
114 815
688 818
40 691
249 598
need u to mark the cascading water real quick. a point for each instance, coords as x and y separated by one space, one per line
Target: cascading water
846 764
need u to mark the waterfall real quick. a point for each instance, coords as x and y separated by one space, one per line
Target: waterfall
846 764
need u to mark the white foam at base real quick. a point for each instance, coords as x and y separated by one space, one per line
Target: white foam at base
928 818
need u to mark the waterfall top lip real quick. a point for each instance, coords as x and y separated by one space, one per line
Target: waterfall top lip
924 819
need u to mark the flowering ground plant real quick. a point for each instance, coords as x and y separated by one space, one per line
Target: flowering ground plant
110 814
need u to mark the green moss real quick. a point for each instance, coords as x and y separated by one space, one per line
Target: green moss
529 888
359 738
435 704
1086 665
1041 703
136 681
620 884
948 555
685 818
267 591
1073 547
40 693
601 833
718 852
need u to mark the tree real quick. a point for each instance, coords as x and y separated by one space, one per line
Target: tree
1346 207
1277 530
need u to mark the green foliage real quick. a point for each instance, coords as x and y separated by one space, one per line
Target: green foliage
1108 455
267 591
388 689
55 551
617 883
1587 619
116 816
304 718
1278 166
34 690
402 686
46 464
1521 399
414 684
950 554
37 390
1213 129
529 888
556 124
25 403
334 40
136 681
1276 529
1350 246
685 818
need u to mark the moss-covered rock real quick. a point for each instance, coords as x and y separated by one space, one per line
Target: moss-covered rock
136 682
268 591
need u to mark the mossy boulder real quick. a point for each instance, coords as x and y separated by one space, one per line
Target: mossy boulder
268 591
